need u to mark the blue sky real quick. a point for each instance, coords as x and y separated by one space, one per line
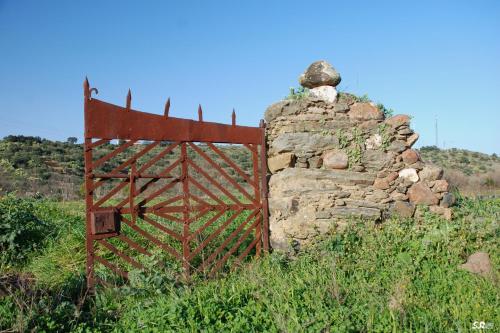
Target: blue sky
423 58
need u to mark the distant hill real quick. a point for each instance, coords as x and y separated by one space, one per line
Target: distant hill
472 172
32 165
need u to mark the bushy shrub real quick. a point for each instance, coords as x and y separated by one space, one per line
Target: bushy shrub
20 230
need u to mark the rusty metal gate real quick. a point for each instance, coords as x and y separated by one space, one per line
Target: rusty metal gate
170 188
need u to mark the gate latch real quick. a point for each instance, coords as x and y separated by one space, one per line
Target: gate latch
105 222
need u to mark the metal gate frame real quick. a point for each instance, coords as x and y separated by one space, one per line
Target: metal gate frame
105 122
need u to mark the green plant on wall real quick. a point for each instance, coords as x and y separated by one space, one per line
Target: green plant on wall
384 134
355 151
298 93
387 112
343 139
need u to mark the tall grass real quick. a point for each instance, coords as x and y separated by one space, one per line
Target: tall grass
401 275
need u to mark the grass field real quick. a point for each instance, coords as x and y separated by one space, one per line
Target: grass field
401 275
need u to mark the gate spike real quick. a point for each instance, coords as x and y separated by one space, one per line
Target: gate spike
167 108
86 88
233 118
129 99
200 113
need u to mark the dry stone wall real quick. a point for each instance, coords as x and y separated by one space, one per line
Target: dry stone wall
334 157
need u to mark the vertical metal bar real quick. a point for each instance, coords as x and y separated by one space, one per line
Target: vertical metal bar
263 171
89 194
133 172
258 228
185 189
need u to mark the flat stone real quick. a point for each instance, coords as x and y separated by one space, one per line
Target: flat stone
397 196
316 110
410 156
315 162
319 73
409 174
403 209
281 108
421 194
369 124
379 195
410 141
341 107
335 159
430 173
397 146
478 263
302 142
363 212
365 111
376 159
294 180
405 131
324 93
381 184
280 162
398 120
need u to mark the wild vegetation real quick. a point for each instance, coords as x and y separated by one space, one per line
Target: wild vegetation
31 165
401 275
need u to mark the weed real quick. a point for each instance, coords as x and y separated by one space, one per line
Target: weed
298 93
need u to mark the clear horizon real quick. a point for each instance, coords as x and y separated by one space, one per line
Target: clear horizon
427 59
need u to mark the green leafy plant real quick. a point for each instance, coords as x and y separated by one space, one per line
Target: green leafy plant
20 230
343 139
384 134
298 93
387 112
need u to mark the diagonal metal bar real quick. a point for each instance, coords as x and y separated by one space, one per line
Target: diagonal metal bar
227 240
206 225
133 244
216 184
128 162
96 144
221 171
199 200
247 232
162 228
215 234
120 254
165 203
158 192
202 212
206 191
115 152
230 162
158 157
149 237
151 197
248 249
112 267
167 216
111 193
